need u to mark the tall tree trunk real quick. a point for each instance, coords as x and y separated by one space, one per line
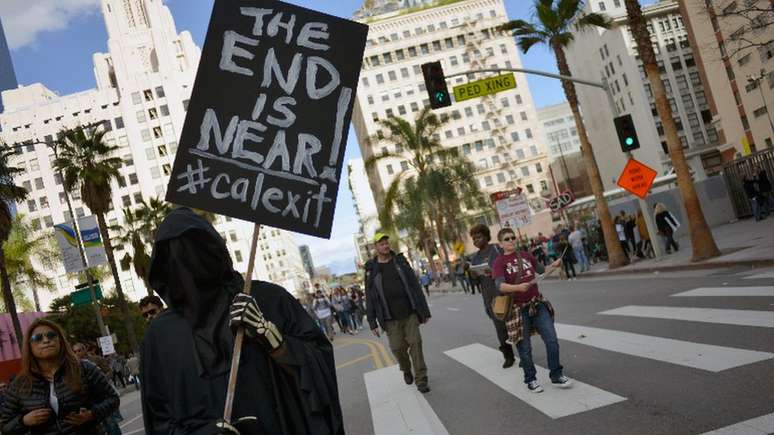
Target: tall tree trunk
439 231
10 304
128 324
702 242
36 298
615 253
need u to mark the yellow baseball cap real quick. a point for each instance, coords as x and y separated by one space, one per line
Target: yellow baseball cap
378 236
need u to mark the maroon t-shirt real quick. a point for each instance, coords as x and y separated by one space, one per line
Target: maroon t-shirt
506 267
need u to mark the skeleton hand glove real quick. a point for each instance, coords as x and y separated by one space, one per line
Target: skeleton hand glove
245 313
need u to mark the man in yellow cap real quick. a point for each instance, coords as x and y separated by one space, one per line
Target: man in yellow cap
395 301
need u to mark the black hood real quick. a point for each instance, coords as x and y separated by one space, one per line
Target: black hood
192 272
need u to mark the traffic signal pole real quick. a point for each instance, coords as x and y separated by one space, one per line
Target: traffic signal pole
605 86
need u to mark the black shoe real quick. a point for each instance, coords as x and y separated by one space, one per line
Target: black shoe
408 377
510 358
424 388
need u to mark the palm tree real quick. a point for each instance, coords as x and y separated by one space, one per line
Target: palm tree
22 247
445 180
153 213
554 26
9 193
85 161
702 242
132 232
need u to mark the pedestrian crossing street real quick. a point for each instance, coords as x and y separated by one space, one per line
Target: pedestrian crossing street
399 409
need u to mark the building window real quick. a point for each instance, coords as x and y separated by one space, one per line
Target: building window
148 95
238 256
530 188
390 170
538 168
164 110
525 171
523 116
136 98
602 6
380 79
528 133
160 92
119 123
39 183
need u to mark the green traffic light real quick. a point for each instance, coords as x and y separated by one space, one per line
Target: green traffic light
629 141
439 96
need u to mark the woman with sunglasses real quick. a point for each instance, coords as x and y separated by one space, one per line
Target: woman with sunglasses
515 273
55 392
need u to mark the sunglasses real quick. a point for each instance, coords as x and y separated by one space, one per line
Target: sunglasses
509 239
150 313
37 338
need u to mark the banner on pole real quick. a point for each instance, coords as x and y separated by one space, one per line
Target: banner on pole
267 125
512 208
68 245
106 344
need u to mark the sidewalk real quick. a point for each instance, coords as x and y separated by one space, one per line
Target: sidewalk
742 243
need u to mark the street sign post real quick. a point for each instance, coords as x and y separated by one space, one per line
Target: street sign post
564 199
82 294
484 87
637 178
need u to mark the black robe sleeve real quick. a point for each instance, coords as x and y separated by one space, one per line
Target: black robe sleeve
306 367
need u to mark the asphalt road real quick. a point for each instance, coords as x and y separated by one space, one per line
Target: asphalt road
634 373
653 364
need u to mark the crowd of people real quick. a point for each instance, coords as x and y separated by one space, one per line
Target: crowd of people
344 308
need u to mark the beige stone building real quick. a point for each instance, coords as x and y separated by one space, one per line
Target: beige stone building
734 50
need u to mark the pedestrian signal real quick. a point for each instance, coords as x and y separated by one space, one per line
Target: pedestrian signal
627 134
435 82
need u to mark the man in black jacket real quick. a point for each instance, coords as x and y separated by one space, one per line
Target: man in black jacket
395 300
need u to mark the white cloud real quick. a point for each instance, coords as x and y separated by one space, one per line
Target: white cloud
25 20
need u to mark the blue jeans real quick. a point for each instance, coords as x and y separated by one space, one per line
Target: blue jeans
583 261
758 208
545 327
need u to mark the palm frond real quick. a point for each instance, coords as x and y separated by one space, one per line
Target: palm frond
526 43
568 9
589 21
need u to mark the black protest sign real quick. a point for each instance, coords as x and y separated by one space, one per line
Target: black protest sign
267 124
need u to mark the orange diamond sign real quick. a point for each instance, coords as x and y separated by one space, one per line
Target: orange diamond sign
637 178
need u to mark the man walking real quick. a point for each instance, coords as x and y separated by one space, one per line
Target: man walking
394 301
486 255
576 241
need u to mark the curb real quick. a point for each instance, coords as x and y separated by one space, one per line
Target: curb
682 267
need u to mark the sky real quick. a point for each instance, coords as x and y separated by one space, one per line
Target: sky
52 42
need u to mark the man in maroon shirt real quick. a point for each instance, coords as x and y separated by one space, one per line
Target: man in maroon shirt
516 273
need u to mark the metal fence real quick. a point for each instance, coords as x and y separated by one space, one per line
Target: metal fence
735 171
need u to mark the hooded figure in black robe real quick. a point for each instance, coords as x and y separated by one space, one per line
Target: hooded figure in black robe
186 353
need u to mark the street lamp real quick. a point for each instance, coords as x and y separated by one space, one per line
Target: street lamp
756 80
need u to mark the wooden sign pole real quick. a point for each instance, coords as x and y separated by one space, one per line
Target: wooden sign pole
240 335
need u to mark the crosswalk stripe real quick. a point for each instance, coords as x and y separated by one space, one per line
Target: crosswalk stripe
553 402
684 353
707 315
764 275
728 291
762 425
397 408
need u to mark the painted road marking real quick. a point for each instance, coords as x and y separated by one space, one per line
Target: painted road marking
764 275
762 425
397 408
729 291
708 315
452 309
553 402
684 353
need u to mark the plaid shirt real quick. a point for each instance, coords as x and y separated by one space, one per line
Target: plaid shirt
515 325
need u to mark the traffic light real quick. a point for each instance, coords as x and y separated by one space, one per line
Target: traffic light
627 134
435 81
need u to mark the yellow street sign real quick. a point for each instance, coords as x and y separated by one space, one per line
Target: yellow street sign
483 87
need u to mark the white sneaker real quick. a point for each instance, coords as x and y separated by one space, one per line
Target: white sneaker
562 382
534 387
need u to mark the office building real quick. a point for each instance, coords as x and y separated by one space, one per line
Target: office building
7 74
567 167
734 53
611 55
143 85
365 207
500 133
306 258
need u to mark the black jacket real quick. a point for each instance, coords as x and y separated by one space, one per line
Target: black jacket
96 395
764 185
377 308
